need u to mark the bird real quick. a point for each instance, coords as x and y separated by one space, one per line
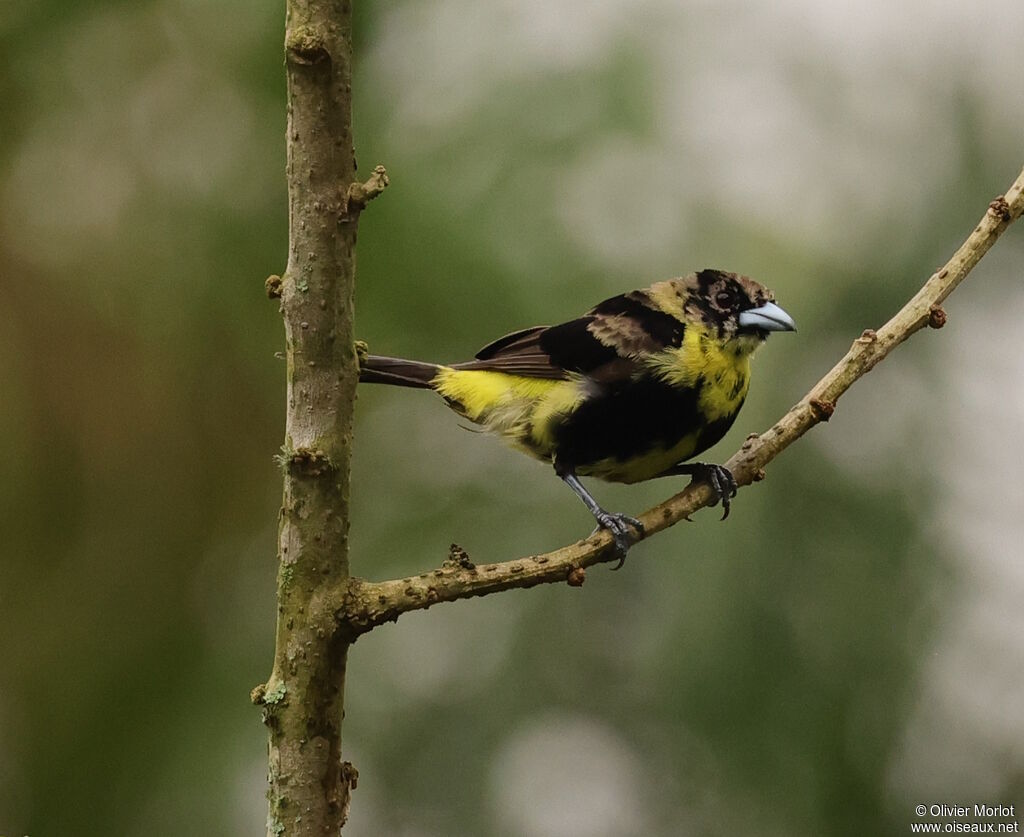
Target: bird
630 391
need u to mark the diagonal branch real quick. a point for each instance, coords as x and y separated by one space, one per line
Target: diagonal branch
364 605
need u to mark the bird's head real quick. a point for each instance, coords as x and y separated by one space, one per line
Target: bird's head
732 307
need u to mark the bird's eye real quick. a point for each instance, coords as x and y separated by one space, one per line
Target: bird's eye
724 299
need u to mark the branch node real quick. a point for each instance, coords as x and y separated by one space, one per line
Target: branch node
359 195
457 558
867 336
760 473
306 45
348 781
273 286
305 462
271 701
936 317
576 577
822 410
1000 209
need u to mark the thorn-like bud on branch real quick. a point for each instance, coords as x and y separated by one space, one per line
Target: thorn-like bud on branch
758 475
576 577
1000 208
306 45
307 462
936 317
360 194
822 410
458 558
348 779
273 286
867 336
362 350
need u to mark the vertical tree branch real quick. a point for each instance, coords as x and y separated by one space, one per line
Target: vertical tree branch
302 702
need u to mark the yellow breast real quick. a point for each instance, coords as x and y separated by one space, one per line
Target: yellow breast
719 370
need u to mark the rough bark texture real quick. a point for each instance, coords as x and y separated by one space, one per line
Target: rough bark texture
302 702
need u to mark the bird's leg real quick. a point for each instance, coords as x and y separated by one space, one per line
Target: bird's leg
615 522
720 478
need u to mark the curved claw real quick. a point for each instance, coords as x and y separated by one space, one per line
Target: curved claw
619 525
723 483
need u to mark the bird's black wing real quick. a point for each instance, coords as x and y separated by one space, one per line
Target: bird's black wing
518 353
603 344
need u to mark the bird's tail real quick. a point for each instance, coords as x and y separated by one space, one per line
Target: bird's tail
374 369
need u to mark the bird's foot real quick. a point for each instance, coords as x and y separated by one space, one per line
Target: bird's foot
722 483
625 530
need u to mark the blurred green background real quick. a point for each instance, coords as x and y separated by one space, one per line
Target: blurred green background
846 647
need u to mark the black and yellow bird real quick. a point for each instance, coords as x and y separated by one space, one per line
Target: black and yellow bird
629 391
